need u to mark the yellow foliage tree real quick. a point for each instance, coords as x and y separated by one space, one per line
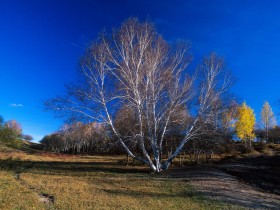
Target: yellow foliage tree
245 123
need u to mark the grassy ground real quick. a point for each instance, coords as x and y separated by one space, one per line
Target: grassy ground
48 181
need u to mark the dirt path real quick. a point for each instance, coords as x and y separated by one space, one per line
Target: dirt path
218 185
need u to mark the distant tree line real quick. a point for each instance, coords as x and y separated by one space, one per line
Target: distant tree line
96 138
79 138
216 138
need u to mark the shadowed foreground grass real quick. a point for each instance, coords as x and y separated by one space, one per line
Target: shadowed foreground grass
47 181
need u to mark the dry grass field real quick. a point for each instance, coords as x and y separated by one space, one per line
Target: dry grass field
37 180
50 181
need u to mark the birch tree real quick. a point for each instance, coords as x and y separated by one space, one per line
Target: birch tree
134 66
268 120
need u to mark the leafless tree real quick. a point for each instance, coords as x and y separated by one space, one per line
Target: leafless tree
78 138
134 66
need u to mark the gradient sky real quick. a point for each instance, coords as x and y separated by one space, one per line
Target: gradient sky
42 41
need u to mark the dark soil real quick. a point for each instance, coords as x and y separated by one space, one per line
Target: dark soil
247 183
262 171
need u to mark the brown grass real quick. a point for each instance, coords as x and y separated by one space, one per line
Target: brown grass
90 182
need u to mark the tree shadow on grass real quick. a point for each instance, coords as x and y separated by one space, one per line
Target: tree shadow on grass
59 168
139 194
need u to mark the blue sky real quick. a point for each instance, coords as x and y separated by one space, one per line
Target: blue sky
42 41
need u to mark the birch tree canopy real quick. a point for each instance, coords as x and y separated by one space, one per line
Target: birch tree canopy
268 119
133 69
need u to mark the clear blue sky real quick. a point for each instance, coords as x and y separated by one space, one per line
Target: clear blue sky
41 42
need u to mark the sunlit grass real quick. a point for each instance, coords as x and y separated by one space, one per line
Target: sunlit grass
13 195
90 182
